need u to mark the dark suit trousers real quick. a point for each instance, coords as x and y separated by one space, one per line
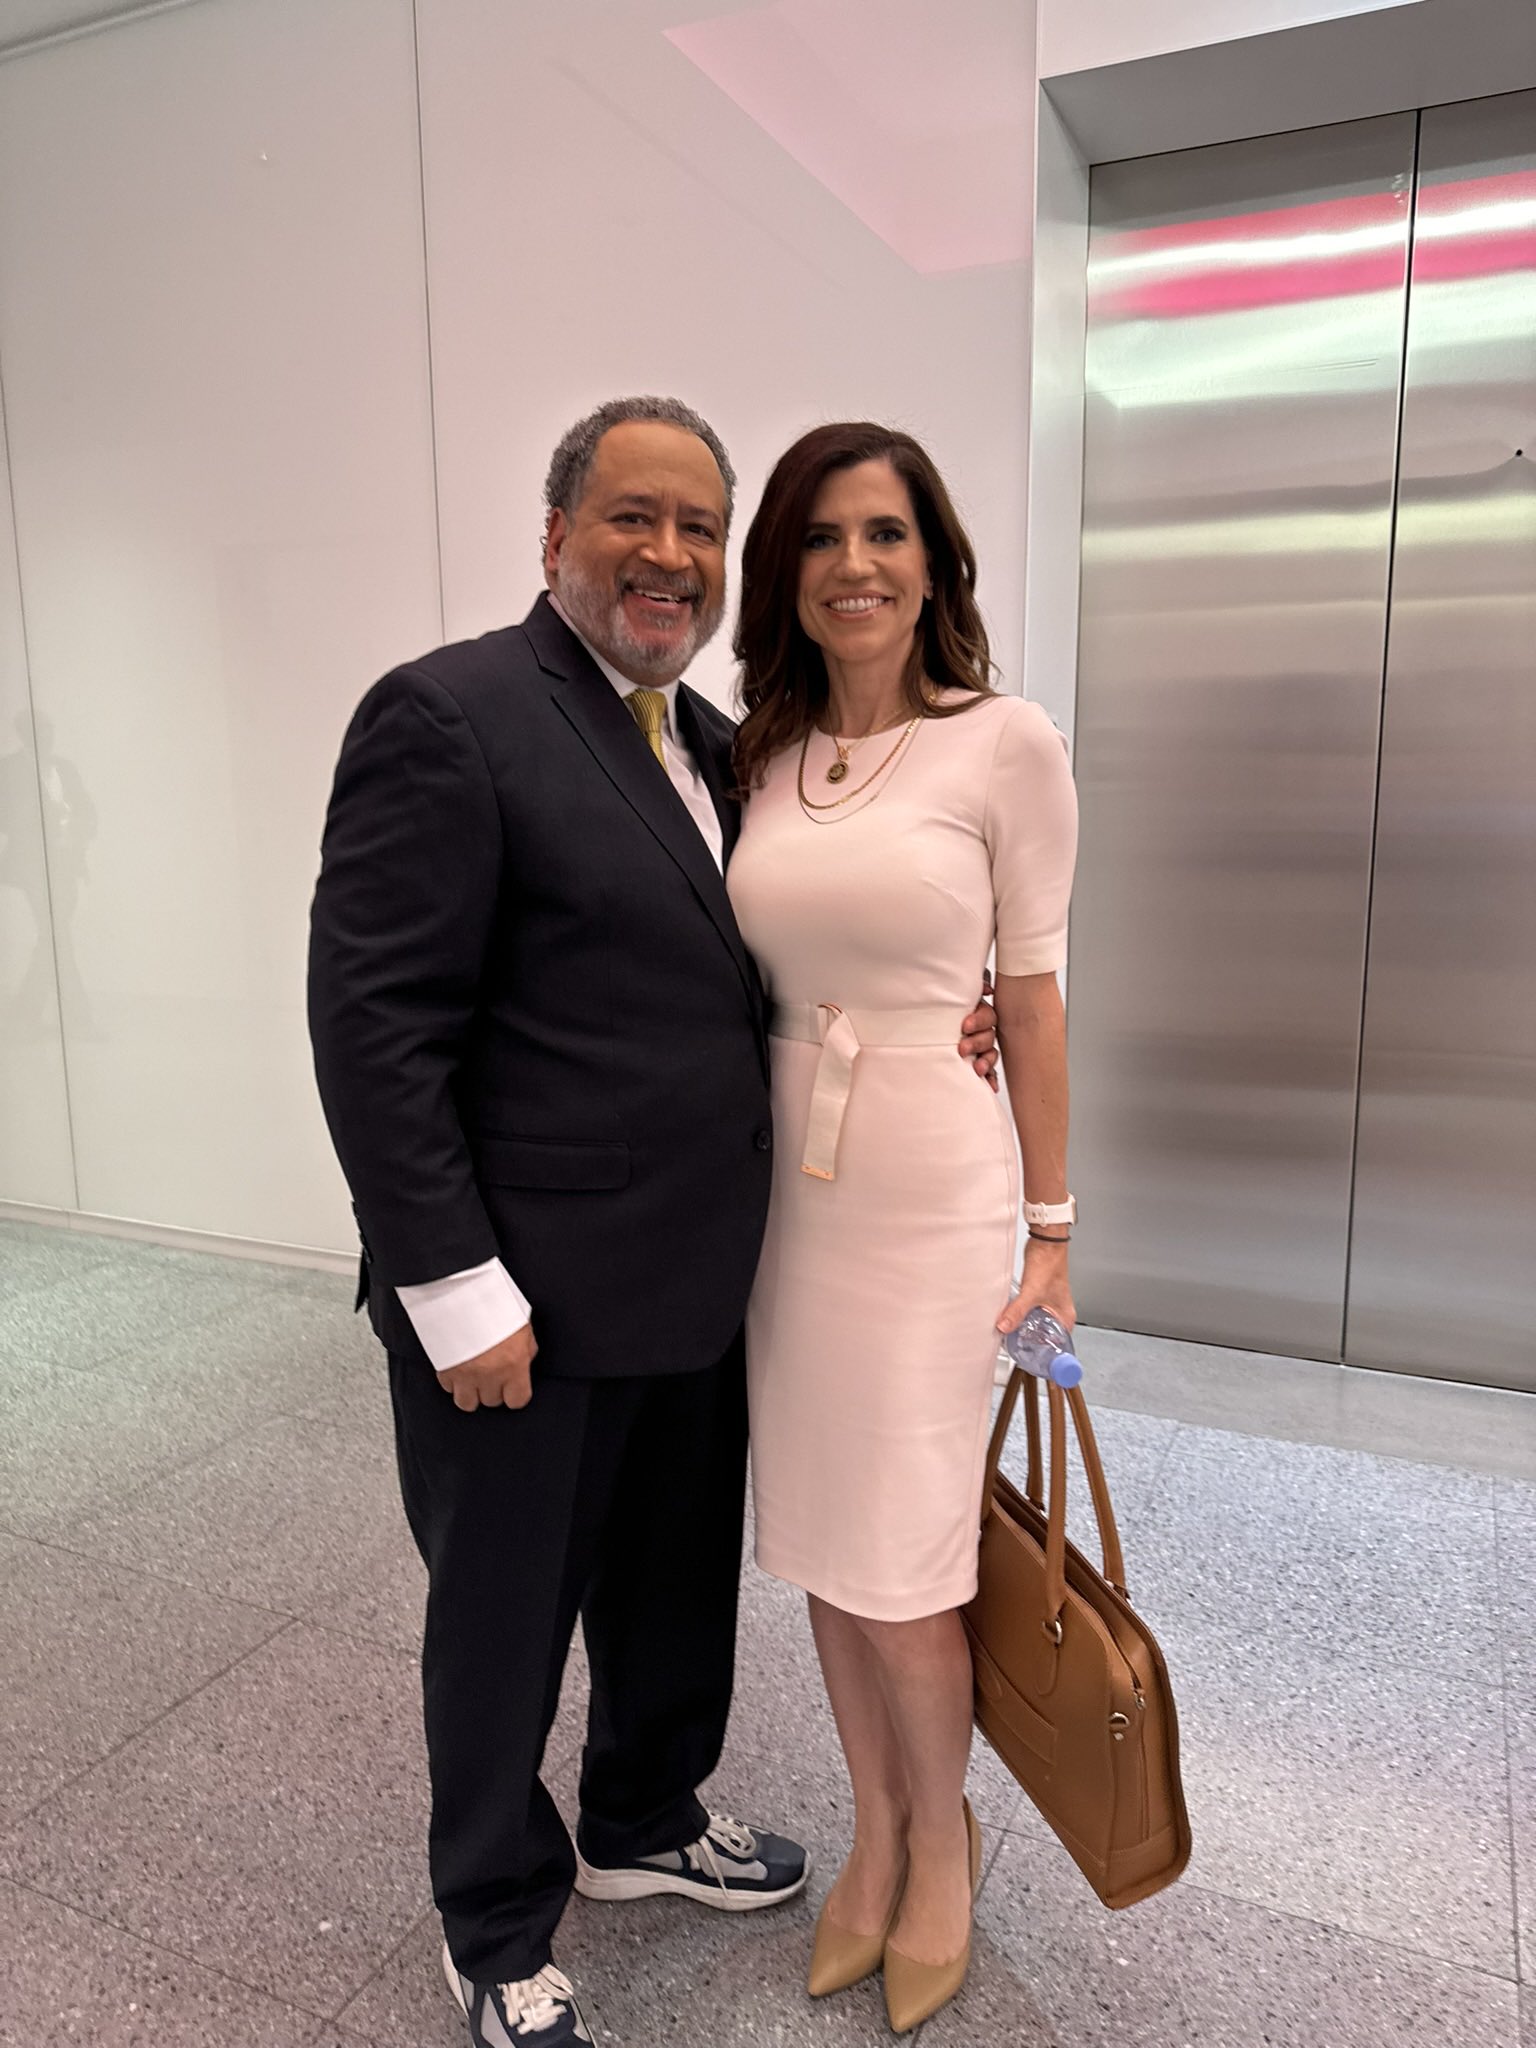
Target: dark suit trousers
620 1499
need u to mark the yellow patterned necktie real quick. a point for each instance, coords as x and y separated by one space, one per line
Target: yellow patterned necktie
648 708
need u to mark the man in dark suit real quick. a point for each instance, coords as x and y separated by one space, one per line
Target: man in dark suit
541 1050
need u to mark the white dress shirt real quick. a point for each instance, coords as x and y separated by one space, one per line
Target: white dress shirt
465 1313
686 779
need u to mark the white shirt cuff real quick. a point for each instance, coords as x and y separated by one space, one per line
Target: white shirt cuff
465 1313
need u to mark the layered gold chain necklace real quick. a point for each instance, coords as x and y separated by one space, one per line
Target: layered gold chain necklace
815 812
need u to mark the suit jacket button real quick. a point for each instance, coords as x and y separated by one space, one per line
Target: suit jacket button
763 1140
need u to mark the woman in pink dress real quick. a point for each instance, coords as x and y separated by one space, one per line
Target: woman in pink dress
902 820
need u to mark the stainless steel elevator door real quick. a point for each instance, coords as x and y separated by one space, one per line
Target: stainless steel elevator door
1443 1264
1243 367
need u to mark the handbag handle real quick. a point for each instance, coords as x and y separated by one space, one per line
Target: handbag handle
1055 1510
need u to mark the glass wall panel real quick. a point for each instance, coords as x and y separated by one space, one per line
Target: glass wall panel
213 332
35 1164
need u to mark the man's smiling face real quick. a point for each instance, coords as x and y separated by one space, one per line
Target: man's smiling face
639 565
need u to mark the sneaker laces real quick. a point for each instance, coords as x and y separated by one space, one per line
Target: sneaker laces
733 1836
538 2002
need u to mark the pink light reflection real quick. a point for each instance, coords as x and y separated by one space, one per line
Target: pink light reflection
915 116
1472 227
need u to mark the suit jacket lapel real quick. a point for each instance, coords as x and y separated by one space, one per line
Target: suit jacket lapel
592 705
714 765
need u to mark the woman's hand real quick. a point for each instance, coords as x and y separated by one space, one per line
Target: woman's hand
978 1036
1045 1285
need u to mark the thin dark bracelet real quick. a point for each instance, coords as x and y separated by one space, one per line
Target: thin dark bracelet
1040 1239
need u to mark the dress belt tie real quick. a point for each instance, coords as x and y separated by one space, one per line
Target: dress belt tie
842 1034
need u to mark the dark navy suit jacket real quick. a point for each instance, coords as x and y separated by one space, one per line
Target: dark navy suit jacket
537 1032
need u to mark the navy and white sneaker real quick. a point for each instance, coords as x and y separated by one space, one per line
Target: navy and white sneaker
541 2012
732 1867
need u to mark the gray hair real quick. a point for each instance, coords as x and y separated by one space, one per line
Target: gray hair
571 462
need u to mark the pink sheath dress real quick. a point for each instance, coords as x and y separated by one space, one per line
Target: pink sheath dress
870 1336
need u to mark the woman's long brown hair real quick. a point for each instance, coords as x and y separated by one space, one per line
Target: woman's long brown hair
783 676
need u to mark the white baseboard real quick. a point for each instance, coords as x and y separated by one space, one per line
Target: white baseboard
316 1257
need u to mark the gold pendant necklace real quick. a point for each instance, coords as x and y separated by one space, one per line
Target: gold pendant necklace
873 777
838 772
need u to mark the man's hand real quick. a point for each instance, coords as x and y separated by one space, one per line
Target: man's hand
978 1037
499 1378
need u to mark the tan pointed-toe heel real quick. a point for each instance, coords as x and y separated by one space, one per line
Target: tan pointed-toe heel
839 1958
915 1991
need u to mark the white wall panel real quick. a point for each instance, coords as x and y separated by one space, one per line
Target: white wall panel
35 1163
755 208
213 334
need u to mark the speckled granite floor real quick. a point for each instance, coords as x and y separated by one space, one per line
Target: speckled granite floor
211 1784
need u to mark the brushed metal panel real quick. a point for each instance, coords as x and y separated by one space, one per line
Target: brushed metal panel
1443 1266
1243 365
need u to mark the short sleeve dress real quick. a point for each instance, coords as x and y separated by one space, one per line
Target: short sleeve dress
871 1340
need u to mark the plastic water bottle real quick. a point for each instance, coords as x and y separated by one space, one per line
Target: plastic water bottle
1041 1346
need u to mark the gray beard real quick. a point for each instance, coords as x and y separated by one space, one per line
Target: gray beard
598 615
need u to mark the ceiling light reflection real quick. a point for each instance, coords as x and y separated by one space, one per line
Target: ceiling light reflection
1246 353
1329 248
1508 518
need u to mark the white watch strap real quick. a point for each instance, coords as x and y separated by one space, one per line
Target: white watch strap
1051 1212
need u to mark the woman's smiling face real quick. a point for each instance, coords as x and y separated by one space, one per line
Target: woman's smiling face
863 566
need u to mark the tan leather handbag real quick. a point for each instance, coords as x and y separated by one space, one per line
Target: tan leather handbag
1071 1688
